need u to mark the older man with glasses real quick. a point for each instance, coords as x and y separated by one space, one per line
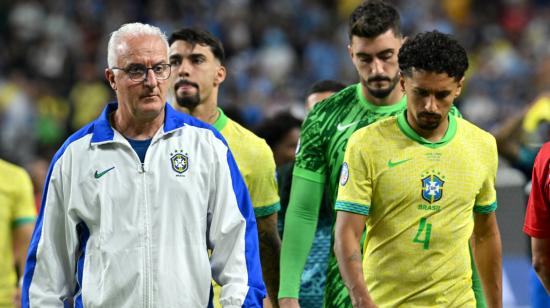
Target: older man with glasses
134 200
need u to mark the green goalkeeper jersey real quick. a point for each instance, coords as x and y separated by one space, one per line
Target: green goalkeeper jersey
326 131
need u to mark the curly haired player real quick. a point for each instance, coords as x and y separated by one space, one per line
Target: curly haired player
422 194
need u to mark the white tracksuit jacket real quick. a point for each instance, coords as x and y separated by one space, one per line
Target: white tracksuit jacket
113 232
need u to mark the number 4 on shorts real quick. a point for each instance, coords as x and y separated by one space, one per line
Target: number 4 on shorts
425 228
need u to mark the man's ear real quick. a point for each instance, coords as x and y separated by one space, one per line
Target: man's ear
459 87
110 76
220 75
402 82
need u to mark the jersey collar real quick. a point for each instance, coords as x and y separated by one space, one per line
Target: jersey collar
379 109
409 132
221 121
173 119
103 131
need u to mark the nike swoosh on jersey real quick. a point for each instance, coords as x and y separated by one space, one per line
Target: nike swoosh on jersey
341 127
97 175
392 164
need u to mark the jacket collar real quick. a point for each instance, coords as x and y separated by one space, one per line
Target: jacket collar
104 132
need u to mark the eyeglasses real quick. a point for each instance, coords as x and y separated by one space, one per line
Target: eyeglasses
138 72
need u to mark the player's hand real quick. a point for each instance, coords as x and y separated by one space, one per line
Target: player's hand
17 298
287 302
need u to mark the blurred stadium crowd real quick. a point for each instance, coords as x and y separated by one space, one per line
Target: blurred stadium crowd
54 53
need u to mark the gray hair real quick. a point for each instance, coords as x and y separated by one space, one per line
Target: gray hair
128 31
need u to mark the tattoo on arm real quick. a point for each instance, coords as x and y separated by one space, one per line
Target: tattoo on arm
354 257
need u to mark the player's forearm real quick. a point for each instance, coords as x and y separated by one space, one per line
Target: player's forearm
541 260
490 270
349 263
542 267
22 238
297 240
488 257
508 137
270 271
347 251
270 249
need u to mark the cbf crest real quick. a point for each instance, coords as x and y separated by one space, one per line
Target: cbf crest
179 161
344 174
432 186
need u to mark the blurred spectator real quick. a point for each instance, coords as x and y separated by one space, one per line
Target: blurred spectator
52 112
38 169
521 136
321 90
281 132
88 96
17 119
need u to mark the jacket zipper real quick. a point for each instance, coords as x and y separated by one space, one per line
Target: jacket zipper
147 263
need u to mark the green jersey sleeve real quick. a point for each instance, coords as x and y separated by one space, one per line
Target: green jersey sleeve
300 224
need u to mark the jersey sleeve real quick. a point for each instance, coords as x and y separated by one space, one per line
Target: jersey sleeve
299 231
355 187
262 183
308 178
486 200
23 211
537 217
310 163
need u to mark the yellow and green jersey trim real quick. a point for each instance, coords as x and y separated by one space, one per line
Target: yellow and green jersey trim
485 209
221 122
352 207
22 221
409 131
380 109
267 210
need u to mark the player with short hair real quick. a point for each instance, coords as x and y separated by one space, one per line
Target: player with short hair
197 58
423 182
321 90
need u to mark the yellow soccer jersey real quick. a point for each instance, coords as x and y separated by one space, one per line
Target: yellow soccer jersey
16 208
420 198
256 164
